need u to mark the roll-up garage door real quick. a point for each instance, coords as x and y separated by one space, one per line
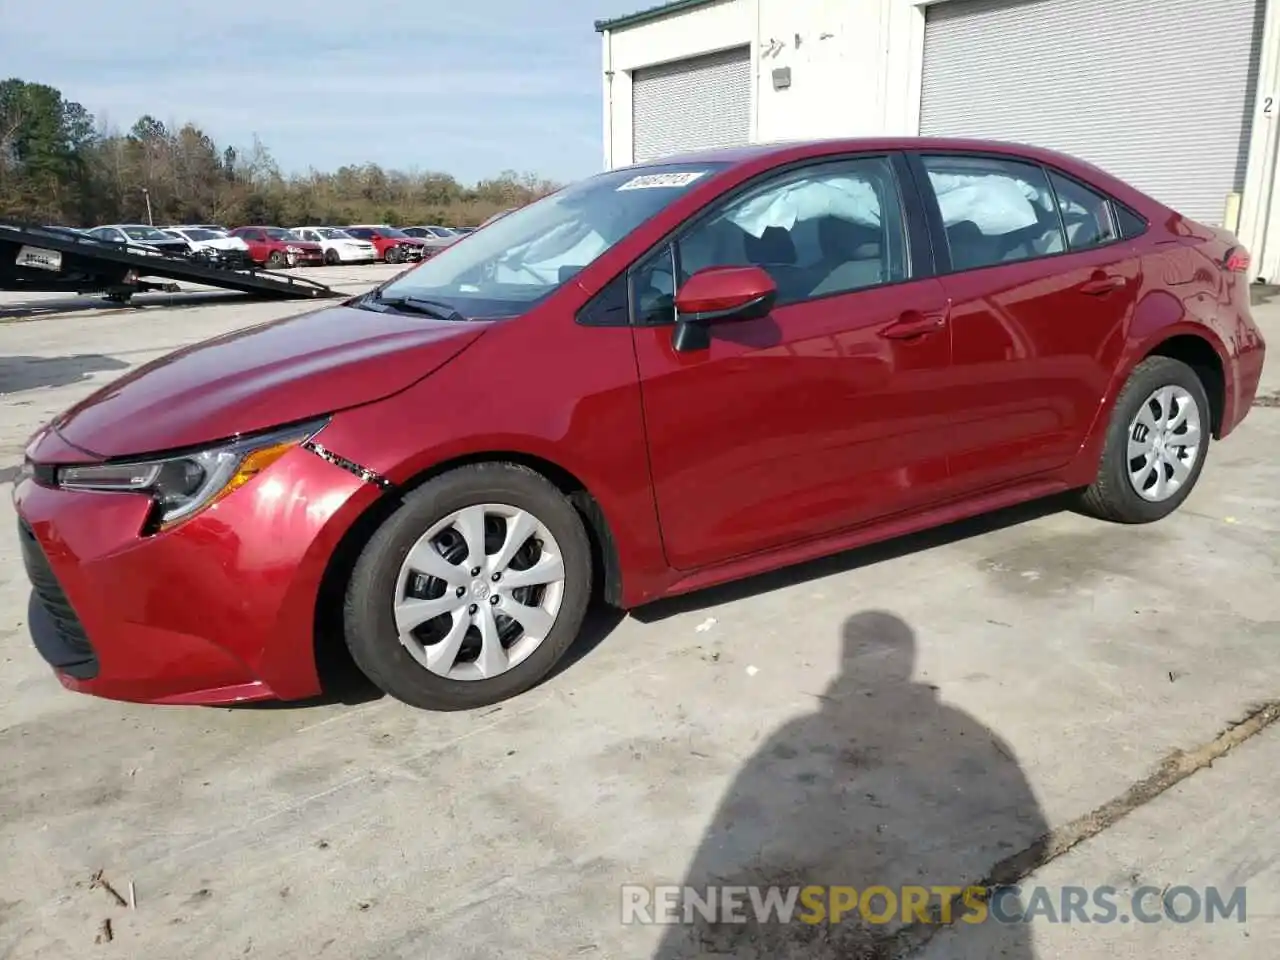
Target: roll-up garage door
695 104
1159 93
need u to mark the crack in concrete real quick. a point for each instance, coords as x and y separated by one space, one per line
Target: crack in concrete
1175 768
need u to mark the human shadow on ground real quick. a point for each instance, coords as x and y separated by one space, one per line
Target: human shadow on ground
882 786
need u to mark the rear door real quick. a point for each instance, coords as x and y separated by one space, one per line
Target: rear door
1041 286
824 415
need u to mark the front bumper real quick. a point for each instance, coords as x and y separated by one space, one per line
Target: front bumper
220 609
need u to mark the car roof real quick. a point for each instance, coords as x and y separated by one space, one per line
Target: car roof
770 154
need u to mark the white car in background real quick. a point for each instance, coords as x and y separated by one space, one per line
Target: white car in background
434 238
338 245
214 247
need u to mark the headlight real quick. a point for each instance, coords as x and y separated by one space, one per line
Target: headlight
292 249
182 485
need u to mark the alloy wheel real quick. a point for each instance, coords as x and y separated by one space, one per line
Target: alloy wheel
479 591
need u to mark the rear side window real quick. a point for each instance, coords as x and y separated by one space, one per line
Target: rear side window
1086 214
1131 225
994 211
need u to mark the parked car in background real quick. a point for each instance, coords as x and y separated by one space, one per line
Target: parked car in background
338 245
70 231
434 238
835 342
393 245
276 247
141 235
212 246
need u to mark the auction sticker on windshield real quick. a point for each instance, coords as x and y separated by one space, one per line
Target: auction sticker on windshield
650 181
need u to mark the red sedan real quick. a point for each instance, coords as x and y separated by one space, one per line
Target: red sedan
393 246
276 247
658 379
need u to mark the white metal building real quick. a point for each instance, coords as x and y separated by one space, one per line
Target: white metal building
1179 97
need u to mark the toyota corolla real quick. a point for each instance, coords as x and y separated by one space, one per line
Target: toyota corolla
655 380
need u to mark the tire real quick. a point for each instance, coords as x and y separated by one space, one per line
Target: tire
275 260
394 255
331 257
1114 495
379 581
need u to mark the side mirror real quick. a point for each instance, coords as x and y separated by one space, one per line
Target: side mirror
720 295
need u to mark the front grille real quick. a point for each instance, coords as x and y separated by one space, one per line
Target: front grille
55 628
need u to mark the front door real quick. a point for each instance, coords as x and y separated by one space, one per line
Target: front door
830 412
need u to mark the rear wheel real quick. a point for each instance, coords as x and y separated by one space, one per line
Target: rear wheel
472 591
1156 444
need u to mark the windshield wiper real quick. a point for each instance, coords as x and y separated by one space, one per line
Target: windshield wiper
435 309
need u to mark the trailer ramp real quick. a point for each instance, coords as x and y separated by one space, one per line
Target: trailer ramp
60 260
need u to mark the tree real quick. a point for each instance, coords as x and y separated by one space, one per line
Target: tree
60 165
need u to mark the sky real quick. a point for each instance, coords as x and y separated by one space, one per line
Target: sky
467 87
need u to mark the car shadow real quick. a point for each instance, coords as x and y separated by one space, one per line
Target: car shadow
879 797
854 559
342 682
19 374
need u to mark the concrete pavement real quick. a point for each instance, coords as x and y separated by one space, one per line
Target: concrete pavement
912 713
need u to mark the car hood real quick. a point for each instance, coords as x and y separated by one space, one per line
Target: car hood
261 377
226 243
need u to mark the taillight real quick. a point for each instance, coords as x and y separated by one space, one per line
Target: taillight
1237 260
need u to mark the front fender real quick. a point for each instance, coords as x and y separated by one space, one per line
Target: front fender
583 418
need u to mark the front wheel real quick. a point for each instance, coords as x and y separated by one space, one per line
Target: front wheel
1156 444
331 257
472 591
394 255
275 260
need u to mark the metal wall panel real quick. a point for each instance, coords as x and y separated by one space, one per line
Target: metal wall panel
693 104
1158 92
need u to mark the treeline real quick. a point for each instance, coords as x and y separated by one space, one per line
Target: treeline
58 165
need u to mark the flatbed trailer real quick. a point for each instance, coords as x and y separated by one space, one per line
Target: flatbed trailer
52 260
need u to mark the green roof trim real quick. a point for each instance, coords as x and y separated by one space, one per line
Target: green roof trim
652 13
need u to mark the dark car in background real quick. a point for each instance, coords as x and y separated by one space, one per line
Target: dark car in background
141 235
710 367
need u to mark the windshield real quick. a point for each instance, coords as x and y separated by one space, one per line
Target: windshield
278 233
201 235
145 233
527 254
391 232
333 233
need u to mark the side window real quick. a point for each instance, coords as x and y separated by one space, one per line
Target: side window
826 229
653 289
994 211
1086 214
1131 225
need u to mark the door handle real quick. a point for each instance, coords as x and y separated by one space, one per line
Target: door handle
1100 284
914 323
